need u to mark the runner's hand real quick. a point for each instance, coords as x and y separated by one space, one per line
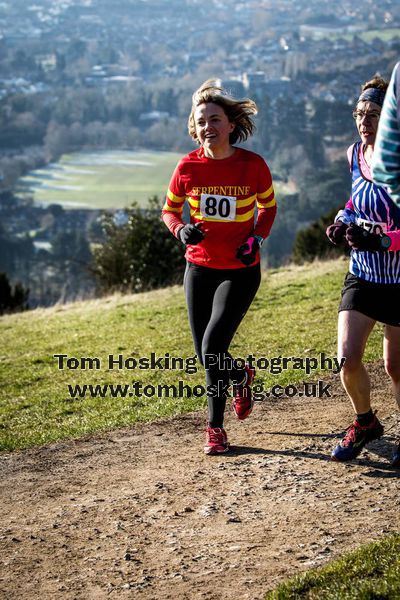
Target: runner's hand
336 232
191 234
359 238
247 252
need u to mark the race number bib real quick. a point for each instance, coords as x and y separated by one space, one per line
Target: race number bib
372 226
222 208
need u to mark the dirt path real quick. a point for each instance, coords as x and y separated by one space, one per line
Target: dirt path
142 513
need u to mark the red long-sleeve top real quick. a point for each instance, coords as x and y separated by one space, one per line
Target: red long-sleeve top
223 196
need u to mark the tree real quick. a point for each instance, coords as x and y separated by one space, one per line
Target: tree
278 248
138 255
73 259
323 189
311 242
12 300
57 140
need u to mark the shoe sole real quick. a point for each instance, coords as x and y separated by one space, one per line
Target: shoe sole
211 451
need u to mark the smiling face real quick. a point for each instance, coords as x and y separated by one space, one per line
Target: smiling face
213 128
367 118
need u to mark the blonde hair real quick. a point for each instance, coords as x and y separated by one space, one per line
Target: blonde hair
238 111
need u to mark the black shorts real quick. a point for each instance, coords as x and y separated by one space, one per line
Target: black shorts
379 301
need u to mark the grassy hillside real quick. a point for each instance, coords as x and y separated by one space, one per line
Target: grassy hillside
293 315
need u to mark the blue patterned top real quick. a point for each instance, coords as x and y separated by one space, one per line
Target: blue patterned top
374 210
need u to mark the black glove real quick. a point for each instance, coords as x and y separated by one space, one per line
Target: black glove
336 232
191 234
247 252
359 238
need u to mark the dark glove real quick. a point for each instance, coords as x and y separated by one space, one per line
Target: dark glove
191 234
359 238
247 252
336 232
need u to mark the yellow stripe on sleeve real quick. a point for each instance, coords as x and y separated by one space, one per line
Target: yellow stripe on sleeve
193 203
175 209
173 198
269 204
264 195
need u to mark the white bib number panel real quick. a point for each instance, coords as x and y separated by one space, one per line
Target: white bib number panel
377 227
221 208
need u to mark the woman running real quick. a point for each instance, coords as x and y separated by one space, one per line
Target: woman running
223 184
371 291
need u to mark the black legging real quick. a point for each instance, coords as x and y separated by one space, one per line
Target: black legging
217 301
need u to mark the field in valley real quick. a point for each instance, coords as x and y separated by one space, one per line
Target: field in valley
110 179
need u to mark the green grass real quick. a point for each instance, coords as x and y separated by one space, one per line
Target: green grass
385 35
367 36
112 179
293 314
370 573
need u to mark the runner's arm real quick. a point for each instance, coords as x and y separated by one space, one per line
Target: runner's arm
266 203
172 210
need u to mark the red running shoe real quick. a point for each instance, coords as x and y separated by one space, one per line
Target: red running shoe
242 400
216 441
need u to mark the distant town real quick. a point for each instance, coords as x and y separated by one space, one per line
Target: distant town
257 42
100 74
